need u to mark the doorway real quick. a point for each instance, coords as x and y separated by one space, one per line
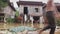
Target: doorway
1 17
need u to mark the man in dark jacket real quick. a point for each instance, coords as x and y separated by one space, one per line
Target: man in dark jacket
50 17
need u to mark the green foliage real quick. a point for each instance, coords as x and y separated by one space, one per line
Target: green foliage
58 22
3 3
10 20
17 13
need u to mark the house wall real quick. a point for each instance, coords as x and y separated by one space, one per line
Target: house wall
8 13
31 9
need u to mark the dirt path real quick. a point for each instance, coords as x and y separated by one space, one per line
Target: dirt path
56 32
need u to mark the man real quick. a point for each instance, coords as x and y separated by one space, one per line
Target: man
50 16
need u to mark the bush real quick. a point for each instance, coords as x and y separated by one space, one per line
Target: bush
10 20
17 13
58 22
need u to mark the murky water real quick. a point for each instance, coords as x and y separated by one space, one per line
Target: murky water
10 25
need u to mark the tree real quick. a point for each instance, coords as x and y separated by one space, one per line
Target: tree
3 3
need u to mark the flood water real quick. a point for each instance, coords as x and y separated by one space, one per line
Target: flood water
11 25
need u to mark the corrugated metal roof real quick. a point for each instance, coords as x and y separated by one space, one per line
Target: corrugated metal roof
30 3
